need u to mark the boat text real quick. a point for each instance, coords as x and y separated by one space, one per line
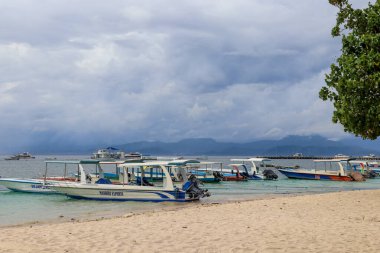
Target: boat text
109 193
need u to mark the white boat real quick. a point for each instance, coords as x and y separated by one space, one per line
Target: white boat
341 156
254 172
43 185
130 191
111 154
26 185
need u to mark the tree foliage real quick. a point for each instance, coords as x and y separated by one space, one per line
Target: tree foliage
353 84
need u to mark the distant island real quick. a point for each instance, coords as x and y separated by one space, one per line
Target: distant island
313 145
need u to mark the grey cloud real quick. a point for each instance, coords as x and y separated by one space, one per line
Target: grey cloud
99 72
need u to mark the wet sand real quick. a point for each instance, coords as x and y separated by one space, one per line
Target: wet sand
331 222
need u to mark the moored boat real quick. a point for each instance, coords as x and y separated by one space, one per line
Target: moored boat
43 185
332 175
254 172
131 191
205 171
234 174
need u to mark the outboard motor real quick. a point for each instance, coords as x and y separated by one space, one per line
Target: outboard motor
218 176
192 188
370 174
269 174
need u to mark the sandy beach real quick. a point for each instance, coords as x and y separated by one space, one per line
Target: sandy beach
330 222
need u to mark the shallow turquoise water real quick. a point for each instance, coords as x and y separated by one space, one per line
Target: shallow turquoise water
16 208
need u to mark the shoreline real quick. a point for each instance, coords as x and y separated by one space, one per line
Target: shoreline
176 206
203 202
334 222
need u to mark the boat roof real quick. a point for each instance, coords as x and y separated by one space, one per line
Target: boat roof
112 162
204 163
155 163
253 159
182 162
236 164
332 160
358 161
74 162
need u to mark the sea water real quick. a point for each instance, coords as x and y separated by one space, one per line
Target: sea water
18 208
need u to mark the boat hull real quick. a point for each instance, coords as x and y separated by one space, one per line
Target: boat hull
313 176
234 178
255 177
122 193
22 185
209 179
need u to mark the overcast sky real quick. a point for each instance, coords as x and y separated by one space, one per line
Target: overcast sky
96 71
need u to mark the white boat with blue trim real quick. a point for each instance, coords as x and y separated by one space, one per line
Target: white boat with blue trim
128 190
26 185
43 185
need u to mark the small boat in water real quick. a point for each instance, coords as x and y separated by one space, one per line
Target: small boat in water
21 156
340 174
140 190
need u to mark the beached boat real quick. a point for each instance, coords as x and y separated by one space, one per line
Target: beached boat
42 185
21 156
253 172
333 175
127 190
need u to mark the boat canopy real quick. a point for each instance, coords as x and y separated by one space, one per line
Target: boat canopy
150 164
167 180
236 164
358 162
182 162
253 159
203 163
110 162
74 162
336 160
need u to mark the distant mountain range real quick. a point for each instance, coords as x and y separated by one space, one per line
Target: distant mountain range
314 145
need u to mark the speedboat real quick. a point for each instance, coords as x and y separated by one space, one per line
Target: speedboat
140 190
333 175
253 172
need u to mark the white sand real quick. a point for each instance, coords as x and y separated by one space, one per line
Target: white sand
332 222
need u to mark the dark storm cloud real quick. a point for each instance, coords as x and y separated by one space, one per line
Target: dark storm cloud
112 72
